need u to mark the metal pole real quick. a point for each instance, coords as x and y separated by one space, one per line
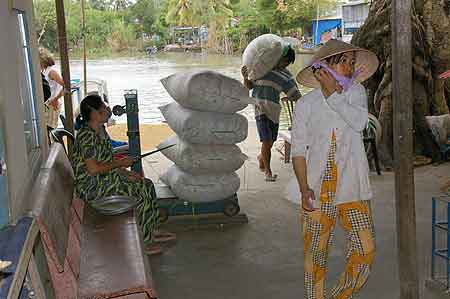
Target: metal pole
317 25
65 69
403 148
83 30
447 260
433 237
134 141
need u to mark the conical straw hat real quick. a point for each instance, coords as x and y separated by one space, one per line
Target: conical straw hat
366 62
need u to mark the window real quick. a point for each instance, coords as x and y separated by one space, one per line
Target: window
350 30
27 89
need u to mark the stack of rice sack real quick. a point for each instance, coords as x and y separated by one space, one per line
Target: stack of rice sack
208 128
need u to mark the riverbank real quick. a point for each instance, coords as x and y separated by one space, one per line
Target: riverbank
105 53
151 134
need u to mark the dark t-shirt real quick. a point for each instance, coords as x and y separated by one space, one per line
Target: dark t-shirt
46 88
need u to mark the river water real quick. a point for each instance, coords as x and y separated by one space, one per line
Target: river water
144 74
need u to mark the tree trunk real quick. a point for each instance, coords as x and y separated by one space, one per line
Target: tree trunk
212 37
431 57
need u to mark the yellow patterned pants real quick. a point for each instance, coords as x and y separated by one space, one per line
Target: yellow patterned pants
318 226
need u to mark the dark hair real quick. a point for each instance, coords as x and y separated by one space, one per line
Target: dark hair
335 59
290 55
88 104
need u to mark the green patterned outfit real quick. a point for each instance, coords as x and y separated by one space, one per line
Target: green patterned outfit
90 145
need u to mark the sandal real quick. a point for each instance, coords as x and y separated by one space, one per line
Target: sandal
153 249
162 237
271 177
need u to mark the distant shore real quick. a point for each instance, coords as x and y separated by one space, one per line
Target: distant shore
106 53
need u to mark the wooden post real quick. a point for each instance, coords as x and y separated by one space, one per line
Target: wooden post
65 69
403 148
83 29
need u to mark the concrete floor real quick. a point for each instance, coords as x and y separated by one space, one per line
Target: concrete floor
263 259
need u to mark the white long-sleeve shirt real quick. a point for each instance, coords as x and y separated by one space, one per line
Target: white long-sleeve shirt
315 119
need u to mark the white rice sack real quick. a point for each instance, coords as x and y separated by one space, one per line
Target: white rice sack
203 159
207 91
201 188
262 55
205 127
440 127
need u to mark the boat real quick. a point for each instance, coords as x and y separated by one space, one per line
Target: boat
182 48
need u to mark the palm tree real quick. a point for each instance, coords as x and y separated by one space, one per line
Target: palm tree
197 12
180 12
221 11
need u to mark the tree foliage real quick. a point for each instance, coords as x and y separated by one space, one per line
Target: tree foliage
122 24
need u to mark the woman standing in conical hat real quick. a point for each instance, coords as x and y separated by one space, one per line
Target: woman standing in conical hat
330 164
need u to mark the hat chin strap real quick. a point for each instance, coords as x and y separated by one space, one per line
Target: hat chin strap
343 81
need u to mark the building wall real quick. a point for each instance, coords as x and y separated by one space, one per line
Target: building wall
21 171
354 16
322 26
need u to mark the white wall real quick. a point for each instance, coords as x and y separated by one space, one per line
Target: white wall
21 173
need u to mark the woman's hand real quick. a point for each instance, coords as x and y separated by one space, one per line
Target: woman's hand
133 176
244 72
54 103
247 83
308 198
327 82
125 162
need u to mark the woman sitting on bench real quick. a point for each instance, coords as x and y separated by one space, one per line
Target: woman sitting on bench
99 175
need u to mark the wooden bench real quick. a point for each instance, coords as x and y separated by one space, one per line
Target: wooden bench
112 265
49 255
112 260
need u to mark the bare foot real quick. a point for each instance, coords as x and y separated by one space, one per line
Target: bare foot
161 237
262 168
153 249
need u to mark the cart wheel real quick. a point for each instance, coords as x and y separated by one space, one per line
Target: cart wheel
163 214
231 209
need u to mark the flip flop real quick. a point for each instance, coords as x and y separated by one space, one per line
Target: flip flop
271 178
153 249
164 237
